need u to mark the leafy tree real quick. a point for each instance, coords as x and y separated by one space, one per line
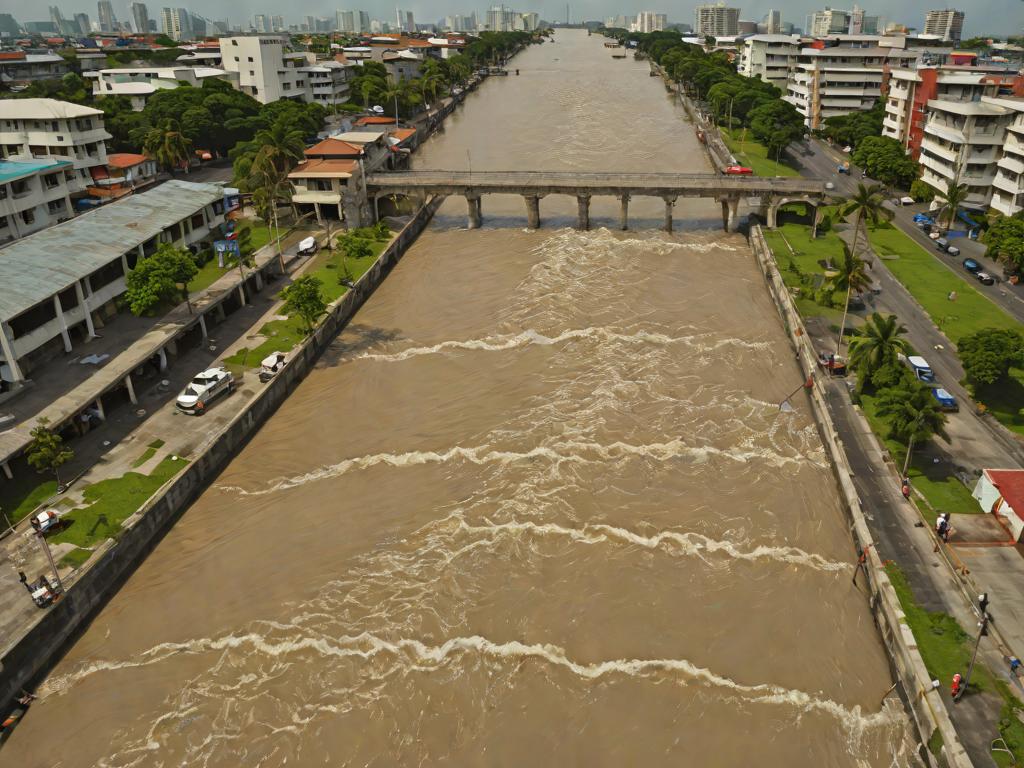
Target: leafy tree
305 298
879 344
988 354
1005 240
867 204
913 415
160 278
355 248
885 159
47 452
168 146
953 198
776 124
922 191
850 129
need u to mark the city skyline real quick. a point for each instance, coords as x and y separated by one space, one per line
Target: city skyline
982 16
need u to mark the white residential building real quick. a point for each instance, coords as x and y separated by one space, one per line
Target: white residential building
773 22
267 71
649 21
47 128
139 83
948 24
176 23
33 195
1008 184
20 68
716 20
327 82
771 58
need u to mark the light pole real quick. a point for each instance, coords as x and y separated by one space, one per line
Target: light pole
982 631
49 557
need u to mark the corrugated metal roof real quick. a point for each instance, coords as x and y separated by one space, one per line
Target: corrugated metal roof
36 267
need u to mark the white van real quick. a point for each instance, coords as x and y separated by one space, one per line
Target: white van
921 369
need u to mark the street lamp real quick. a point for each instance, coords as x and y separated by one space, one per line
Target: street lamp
982 631
49 557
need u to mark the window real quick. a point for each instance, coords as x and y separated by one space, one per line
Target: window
250 59
197 221
29 216
236 58
3 222
55 206
51 181
251 73
234 42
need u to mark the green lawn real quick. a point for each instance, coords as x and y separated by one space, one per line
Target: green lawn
18 497
208 274
110 502
280 335
148 453
75 558
800 265
754 155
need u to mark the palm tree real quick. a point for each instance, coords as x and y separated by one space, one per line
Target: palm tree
429 85
955 196
913 414
868 204
168 146
880 343
394 90
268 182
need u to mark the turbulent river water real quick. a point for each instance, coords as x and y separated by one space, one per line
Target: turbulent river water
536 506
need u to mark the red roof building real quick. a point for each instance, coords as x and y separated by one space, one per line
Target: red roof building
1001 493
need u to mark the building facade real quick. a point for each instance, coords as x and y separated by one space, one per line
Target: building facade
140 17
947 24
1008 184
717 21
771 58
649 21
264 69
105 12
20 68
34 194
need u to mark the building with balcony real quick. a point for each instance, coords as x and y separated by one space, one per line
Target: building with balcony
836 79
962 144
62 282
947 24
771 58
716 21
328 82
33 195
910 90
266 70
21 68
1008 184
139 83
58 130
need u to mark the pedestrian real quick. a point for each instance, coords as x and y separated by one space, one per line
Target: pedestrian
942 527
956 687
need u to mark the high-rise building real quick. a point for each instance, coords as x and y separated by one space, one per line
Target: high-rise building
346 21
406 23
500 19
830 21
717 21
362 22
309 24
83 24
773 22
948 24
649 21
176 24
105 10
262 23
140 15
9 27
277 23
64 26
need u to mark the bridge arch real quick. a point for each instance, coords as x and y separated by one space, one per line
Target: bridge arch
395 202
773 207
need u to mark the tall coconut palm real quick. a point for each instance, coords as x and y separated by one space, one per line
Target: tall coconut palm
429 85
913 414
955 196
168 146
867 203
269 185
394 91
880 343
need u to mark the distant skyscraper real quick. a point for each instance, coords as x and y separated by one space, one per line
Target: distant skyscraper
948 24
717 21
346 21
63 25
309 24
82 23
108 22
262 23
649 21
277 23
140 15
773 22
176 24
406 22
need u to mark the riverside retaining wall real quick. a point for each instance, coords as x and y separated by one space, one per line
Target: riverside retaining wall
45 642
922 701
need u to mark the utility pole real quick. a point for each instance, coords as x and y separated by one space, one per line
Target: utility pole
982 631
49 556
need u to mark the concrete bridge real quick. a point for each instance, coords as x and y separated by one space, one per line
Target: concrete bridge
768 193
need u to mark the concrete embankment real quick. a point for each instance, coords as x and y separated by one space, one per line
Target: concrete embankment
923 702
42 646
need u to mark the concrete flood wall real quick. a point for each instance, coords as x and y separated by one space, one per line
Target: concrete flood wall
41 647
923 703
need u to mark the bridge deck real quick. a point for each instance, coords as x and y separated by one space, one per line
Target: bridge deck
553 182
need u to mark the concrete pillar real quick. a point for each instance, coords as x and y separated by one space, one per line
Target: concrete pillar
202 327
583 212
63 323
725 215
131 389
258 277
241 293
475 211
771 217
532 211
98 402
319 217
624 212
669 202
83 300
7 471
7 344
734 214
162 354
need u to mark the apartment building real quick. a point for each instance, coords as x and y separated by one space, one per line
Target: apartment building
267 71
139 83
33 129
837 79
33 195
649 21
910 91
1008 184
20 68
771 58
948 24
716 20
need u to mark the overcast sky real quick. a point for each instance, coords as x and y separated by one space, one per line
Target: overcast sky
999 17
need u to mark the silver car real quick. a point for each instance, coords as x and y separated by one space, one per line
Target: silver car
204 388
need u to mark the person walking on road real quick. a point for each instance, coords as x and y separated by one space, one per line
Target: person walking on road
942 527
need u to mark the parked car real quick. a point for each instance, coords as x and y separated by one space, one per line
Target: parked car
205 387
737 170
920 367
945 400
972 266
272 365
985 278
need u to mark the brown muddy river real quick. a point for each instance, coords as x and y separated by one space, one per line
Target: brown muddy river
537 506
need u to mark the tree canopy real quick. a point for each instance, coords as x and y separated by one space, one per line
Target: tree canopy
160 278
1005 240
47 452
305 298
988 354
885 159
850 129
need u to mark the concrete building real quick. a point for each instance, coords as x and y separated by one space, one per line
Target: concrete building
34 194
345 21
948 24
32 129
128 172
20 68
649 21
139 83
838 79
403 65
261 23
277 24
140 17
327 82
962 144
1008 184
1000 492
406 22
83 24
773 22
910 90
267 71
108 21
717 21
771 58
9 26
176 23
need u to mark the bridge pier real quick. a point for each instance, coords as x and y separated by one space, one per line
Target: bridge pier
731 214
475 211
532 211
583 212
624 212
669 202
